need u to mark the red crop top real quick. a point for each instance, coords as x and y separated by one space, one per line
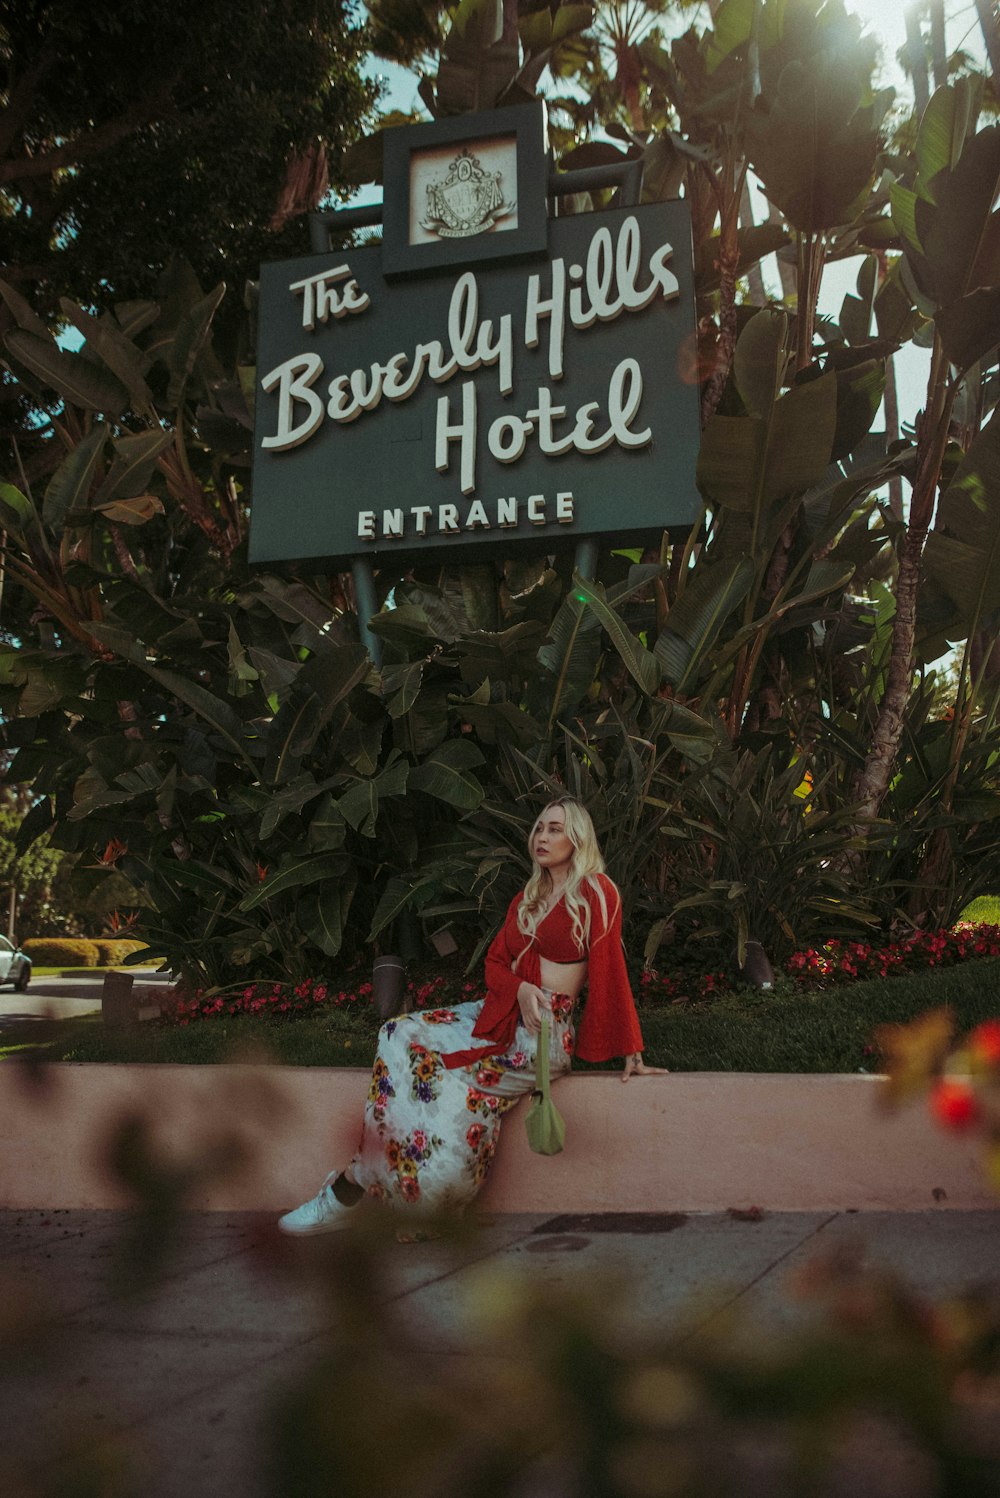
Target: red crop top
609 1025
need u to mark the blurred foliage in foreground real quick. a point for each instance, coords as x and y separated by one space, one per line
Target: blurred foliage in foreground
876 1388
958 1074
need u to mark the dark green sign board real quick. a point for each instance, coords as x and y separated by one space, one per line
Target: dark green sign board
510 404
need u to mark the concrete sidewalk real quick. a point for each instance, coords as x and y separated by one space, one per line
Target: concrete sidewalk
183 1378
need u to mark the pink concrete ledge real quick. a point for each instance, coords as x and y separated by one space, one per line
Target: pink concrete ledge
695 1142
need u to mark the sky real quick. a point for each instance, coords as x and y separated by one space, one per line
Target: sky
887 19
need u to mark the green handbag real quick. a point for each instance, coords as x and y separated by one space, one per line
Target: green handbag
545 1124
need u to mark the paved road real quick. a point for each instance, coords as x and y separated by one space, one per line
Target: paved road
62 998
179 1385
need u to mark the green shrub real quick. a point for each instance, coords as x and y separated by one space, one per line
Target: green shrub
115 949
984 911
62 951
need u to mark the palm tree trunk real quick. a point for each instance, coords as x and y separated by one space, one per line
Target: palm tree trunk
939 52
991 35
873 780
728 188
891 398
892 435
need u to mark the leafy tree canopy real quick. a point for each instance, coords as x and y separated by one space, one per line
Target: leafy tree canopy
136 130
33 868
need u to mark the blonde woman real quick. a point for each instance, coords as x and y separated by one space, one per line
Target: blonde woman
443 1079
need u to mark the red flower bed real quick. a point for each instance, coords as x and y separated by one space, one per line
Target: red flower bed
839 962
679 987
285 999
815 968
834 962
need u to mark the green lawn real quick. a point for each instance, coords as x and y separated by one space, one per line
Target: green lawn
782 1031
820 1032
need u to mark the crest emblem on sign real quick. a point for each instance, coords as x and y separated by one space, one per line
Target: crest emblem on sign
468 201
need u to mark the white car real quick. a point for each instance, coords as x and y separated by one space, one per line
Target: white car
15 966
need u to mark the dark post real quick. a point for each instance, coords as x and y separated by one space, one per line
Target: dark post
119 1005
585 559
388 976
366 599
756 969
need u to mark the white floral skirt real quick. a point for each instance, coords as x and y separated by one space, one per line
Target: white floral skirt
430 1133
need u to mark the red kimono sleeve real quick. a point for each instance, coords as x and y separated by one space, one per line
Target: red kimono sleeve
497 1022
609 1026
501 979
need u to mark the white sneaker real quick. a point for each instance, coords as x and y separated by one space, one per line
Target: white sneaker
322 1214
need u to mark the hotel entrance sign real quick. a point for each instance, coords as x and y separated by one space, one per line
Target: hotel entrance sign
509 401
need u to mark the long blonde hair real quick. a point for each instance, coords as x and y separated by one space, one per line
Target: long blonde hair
585 865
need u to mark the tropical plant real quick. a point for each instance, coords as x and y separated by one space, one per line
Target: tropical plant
231 749
607 761
224 740
755 852
943 211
